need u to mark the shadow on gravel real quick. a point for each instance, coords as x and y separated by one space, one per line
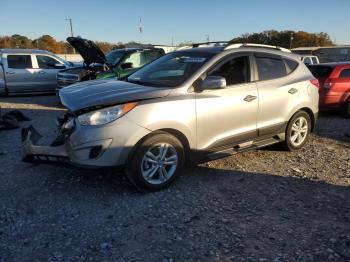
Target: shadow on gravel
330 124
206 215
31 102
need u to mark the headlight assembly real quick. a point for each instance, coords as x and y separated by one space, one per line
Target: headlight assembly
105 115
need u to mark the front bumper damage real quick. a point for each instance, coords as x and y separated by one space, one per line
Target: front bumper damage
33 153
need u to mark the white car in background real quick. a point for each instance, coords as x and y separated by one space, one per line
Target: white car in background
310 60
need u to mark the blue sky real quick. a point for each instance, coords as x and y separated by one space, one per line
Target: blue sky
116 20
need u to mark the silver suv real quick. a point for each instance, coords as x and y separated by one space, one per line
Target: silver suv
189 106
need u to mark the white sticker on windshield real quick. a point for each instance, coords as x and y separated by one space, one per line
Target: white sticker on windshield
194 60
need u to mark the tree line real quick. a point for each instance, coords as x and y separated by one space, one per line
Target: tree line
47 42
287 39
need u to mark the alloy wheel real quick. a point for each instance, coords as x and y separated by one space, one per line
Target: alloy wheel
159 163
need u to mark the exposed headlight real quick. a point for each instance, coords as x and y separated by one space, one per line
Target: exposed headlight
105 115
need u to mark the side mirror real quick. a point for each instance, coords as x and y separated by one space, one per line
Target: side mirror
126 65
213 82
57 66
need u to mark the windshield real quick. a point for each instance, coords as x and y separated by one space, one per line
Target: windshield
170 70
114 57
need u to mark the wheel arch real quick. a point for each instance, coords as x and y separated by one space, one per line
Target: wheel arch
174 132
311 115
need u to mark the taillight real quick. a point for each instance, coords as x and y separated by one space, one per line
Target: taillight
315 82
327 85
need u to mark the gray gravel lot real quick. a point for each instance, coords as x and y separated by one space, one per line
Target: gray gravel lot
266 205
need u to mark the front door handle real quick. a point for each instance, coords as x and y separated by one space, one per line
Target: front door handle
249 98
10 73
42 72
292 91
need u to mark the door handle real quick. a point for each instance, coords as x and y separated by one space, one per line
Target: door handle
10 73
249 98
42 72
292 91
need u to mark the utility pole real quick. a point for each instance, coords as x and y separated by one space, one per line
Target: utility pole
207 36
71 29
291 41
71 26
172 41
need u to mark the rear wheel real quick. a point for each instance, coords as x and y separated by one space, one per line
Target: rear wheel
346 109
298 131
156 162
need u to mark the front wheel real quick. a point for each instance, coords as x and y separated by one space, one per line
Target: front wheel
156 162
298 131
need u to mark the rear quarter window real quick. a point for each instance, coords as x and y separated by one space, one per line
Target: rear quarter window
270 67
345 73
291 64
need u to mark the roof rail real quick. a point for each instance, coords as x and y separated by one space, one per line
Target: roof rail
204 44
216 43
231 46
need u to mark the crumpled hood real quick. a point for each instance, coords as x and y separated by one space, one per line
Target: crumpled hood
105 92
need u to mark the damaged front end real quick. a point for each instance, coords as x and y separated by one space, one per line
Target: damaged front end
56 152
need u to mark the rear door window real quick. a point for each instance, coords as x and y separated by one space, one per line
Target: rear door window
270 67
345 73
19 61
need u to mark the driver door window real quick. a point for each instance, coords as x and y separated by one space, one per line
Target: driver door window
46 62
235 71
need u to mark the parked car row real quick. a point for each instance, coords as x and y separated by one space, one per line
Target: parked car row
188 106
117 63
29 71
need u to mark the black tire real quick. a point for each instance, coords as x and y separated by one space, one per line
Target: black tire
135 162
288 144
346 109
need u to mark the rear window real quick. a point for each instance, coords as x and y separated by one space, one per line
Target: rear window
314 60
270 68
345 73
19 61
321 71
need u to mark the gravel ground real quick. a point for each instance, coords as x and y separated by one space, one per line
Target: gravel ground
266 205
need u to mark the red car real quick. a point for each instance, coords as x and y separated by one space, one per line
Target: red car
334 79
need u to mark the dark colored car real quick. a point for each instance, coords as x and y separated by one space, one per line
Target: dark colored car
118 63
334 79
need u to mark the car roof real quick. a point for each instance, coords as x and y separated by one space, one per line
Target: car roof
222 49
333 64
25 51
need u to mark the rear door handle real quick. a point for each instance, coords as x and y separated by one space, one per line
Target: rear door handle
10 73
249 98
292 91
42 72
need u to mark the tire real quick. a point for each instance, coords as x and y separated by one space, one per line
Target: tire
346 109
149 168
296 125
